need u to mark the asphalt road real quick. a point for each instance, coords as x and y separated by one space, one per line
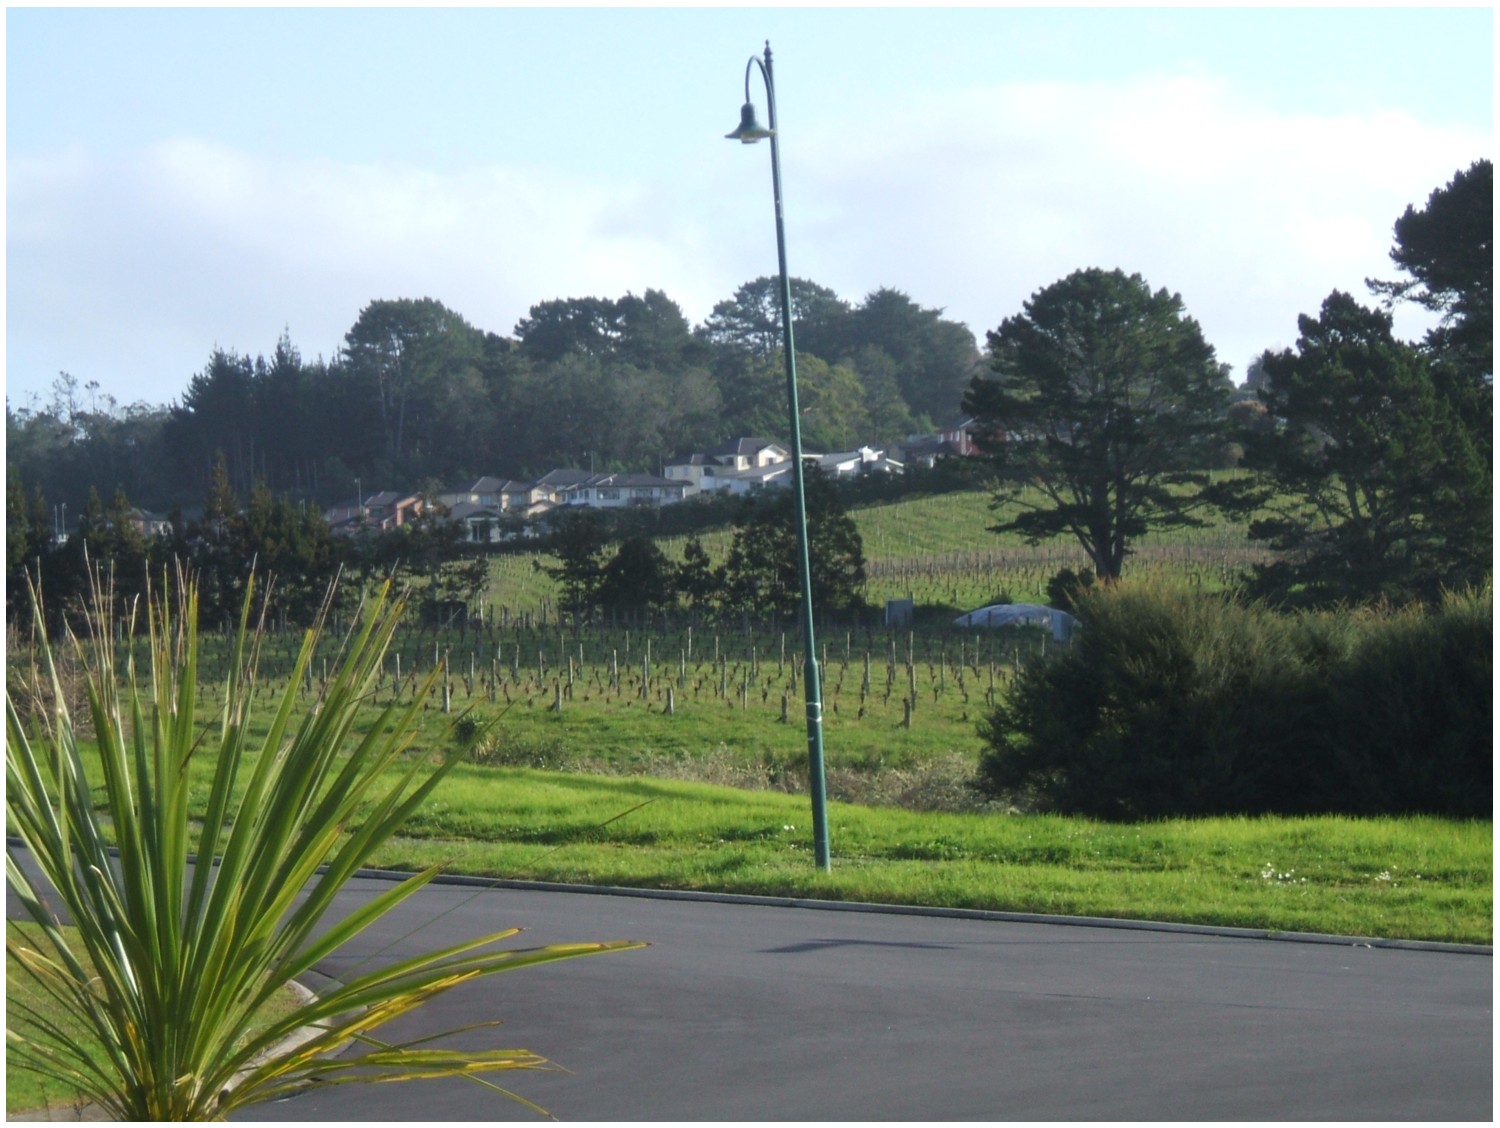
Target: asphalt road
752 1012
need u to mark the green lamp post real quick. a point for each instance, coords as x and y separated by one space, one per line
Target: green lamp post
749 132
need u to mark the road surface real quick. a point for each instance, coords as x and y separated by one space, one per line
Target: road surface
753 1012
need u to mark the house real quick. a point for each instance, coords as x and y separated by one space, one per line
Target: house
690 470
613 491
958 437
555 484
920 450
853 463
375 513
738 483
150 524
705 470
482 524
488 492
522 497
955 439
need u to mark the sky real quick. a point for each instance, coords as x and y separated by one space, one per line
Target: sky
185 179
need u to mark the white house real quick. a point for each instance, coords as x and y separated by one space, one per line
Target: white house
852 463
710 469
554 486
614 491
740 482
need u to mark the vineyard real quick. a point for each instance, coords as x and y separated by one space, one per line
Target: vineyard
695 702
722 701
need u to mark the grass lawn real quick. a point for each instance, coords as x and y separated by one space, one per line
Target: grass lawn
1410 878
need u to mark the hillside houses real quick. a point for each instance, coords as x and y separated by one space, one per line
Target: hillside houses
492 508
377 512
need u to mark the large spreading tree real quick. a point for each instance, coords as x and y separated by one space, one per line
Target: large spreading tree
1103 407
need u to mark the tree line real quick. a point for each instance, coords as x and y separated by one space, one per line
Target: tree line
417 395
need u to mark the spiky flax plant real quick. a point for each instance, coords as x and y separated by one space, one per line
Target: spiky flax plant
193 911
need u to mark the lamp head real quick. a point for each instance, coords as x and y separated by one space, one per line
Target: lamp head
750 130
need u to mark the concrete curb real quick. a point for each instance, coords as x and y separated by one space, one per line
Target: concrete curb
940 911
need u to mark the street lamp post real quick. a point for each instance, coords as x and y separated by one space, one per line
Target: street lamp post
749 132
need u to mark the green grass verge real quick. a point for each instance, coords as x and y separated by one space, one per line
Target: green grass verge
1407 878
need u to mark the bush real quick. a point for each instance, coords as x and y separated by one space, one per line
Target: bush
1173 704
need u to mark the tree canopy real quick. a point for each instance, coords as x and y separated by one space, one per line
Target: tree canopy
1447 249
1373 484
1371 457
1103 406
763 573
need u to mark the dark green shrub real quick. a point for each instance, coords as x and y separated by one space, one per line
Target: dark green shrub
1412 712
1066 586
1170 703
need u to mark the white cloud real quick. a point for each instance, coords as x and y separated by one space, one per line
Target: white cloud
130 270
192 245
1253 216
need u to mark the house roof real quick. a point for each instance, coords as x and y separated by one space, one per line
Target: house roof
755 473
746 446
863 454
563 478
626 480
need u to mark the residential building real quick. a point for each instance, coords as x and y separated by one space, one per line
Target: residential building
486 491
711 470
613 491
852 463
376 513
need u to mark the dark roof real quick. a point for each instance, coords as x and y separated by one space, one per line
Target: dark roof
563 478
627 480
